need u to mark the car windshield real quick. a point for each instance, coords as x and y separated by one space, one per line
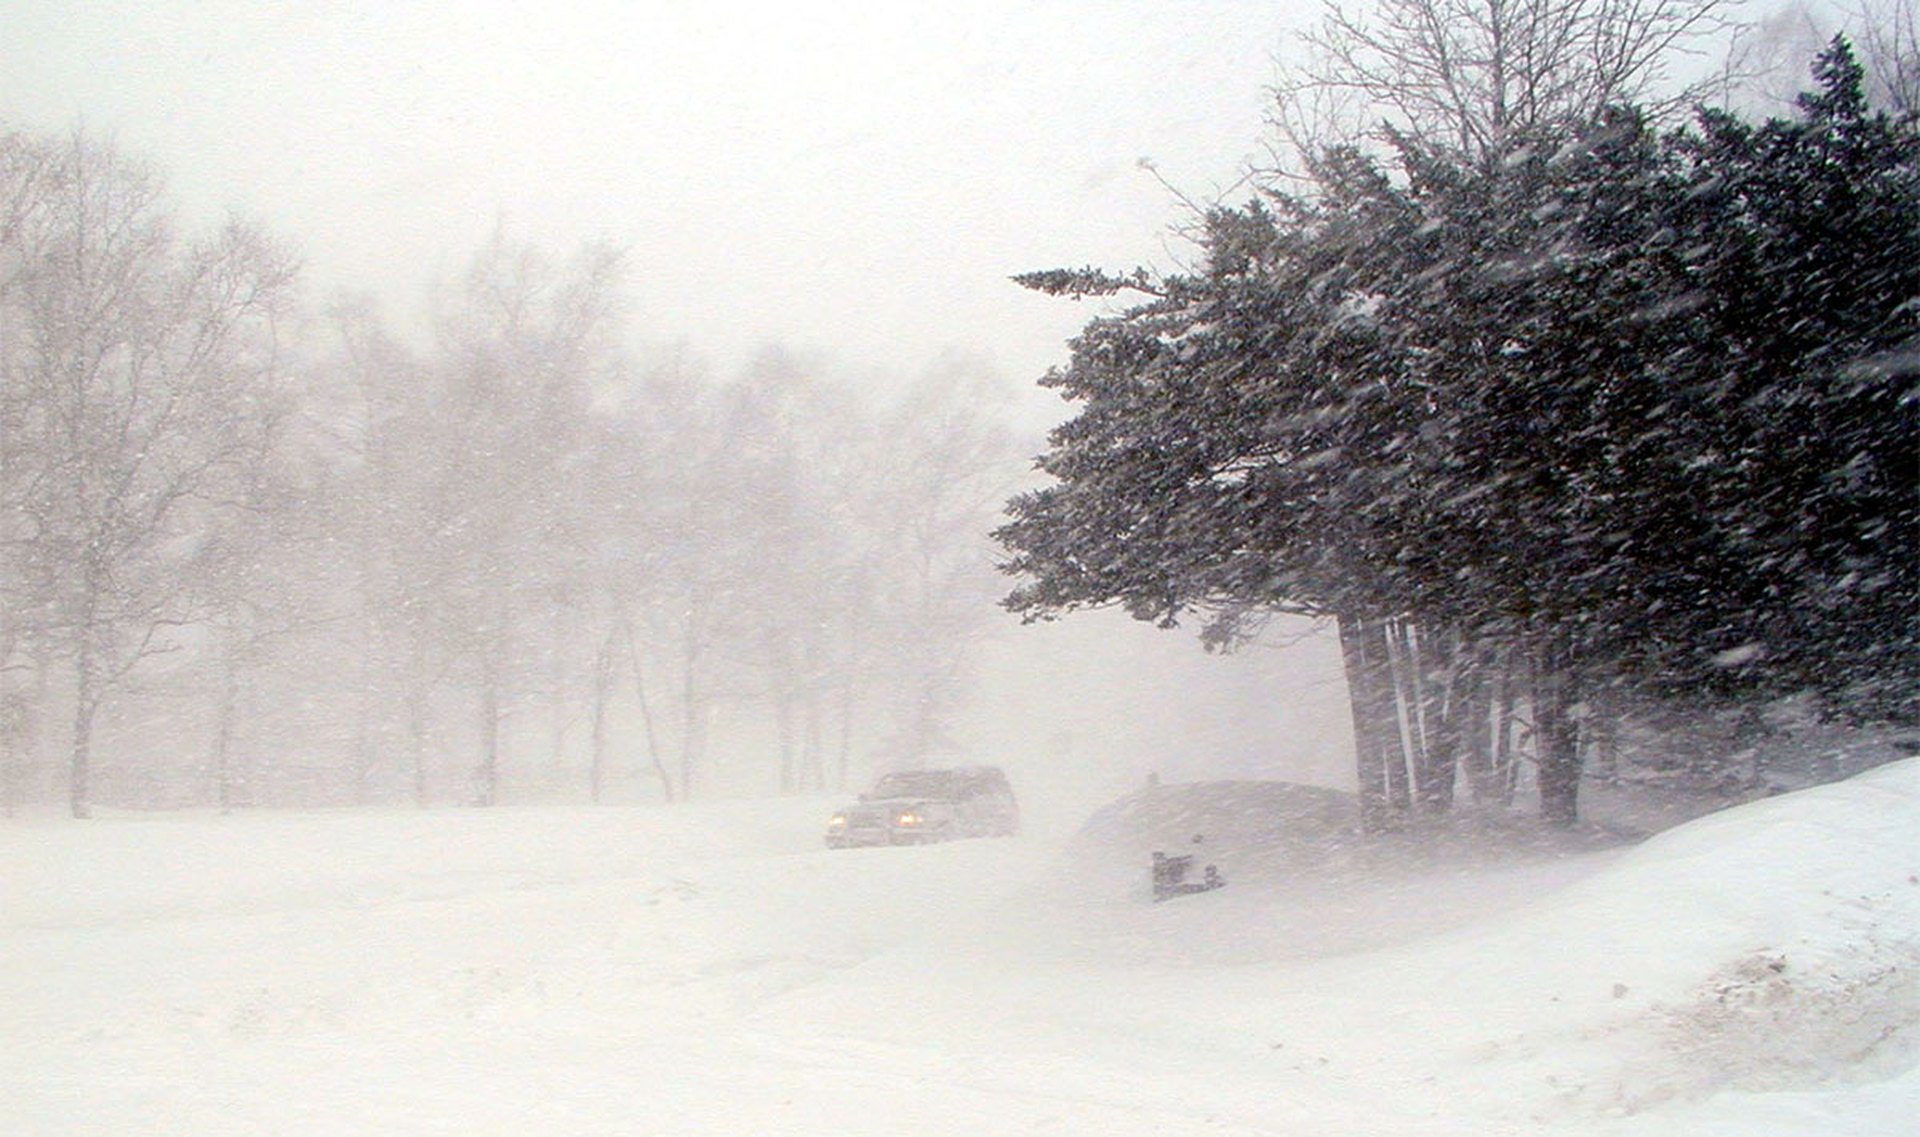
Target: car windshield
915 783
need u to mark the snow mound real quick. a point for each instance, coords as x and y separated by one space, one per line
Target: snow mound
1236 815
1795 927
1274 832
1770 948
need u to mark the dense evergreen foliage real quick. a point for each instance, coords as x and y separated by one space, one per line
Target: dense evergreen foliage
1637 411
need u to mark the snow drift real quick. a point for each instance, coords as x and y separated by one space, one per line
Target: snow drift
710 969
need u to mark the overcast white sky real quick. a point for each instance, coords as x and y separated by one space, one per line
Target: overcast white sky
854 177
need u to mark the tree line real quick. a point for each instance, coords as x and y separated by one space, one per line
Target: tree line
1552 407
254 550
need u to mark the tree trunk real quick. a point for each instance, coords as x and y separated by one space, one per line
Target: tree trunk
19 733
1505 766
603 672
486 780
368 702
1400 705
79 769
18 716
86 699
1489 745
1370 698
1556 732
646 711
1473 695
1603 731
13 713
1409 683
1441 716
224 788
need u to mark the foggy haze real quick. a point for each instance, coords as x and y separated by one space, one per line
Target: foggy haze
854 183
856 178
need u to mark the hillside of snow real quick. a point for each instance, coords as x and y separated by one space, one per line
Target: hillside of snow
711 969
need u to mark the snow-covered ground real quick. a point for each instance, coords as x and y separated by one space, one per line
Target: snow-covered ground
711 969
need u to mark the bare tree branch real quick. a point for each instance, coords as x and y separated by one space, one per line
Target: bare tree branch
1468 76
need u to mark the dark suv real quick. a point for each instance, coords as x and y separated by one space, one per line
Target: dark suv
915 807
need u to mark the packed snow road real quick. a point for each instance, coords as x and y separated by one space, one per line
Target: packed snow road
711 969
564 970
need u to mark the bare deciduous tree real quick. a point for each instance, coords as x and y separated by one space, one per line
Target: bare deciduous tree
1768 64
1469 75
521 342
1888 35
956 460
142 378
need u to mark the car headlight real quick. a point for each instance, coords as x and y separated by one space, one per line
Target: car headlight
908 818
837 821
